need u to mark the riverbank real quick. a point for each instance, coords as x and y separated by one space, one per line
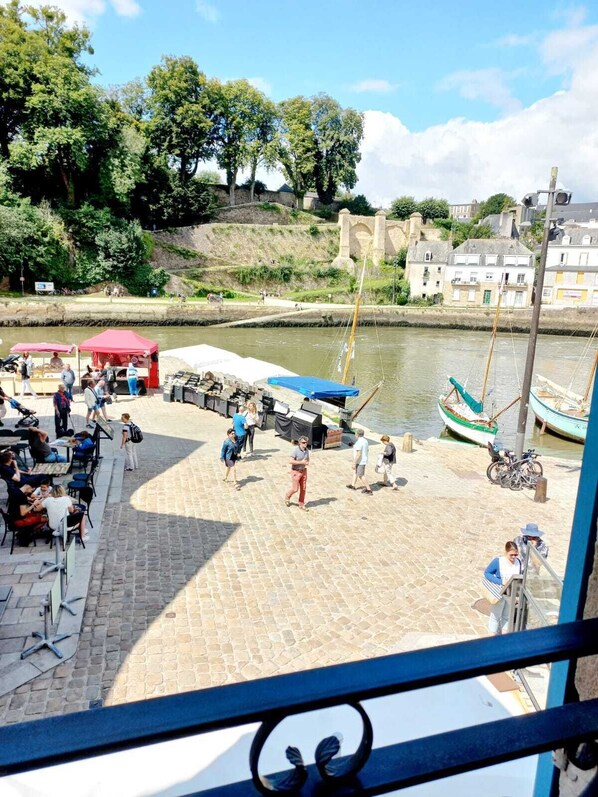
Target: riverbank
130 311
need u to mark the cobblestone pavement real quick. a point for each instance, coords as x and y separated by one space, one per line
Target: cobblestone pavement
196 584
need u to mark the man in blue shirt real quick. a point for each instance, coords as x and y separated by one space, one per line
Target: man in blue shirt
239 425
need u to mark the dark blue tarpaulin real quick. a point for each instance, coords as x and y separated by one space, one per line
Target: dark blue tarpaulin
313 387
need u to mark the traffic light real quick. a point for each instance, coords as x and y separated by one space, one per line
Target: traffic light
562 197
530 201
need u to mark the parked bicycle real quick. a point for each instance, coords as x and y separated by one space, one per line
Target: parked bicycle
508 471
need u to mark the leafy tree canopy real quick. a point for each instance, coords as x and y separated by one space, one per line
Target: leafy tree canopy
338 133
358 205
402 207
297 145
494 204
432 208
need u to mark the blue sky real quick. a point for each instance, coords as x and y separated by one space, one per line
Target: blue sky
333 46
461 99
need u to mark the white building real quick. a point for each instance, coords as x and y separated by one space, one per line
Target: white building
426 264
571 277
477 268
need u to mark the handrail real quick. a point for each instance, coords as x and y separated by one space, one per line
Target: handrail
74 736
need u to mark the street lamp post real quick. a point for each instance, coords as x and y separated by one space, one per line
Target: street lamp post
533 333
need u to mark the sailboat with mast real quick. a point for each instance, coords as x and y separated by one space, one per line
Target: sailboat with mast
463 414
560 410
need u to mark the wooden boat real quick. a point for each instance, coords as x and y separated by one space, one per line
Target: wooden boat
560 410
464 415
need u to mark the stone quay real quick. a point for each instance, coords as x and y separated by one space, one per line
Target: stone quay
194 583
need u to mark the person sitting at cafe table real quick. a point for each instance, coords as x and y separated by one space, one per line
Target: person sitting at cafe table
57 506
83 445
13 475
56 363
23 514
40 448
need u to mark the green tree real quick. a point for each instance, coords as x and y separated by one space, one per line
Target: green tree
402 207
432 208
33 240
338 133
181 114
358 205
238 108
297 146
209 177
262 149
459 231
494 204
28 38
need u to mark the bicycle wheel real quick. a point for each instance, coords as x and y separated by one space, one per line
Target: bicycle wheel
536 468
516 481
504 478
494 470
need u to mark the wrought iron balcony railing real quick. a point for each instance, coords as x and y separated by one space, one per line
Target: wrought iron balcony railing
368 771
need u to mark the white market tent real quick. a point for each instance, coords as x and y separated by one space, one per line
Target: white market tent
204 358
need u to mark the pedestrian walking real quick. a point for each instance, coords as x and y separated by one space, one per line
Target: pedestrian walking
132 379
229 456
103 398
26 370
386 465
62 410
109 374
128 442
498 573
251 421
240 427
90 397
67 377
299 463
360 460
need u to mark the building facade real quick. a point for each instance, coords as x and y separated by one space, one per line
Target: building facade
426 265
571 277
464 212
478 268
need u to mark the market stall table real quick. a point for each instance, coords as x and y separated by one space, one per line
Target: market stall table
9 442
51 468
65 442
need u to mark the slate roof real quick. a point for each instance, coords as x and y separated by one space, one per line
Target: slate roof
492 246
576 211
440 251
577 235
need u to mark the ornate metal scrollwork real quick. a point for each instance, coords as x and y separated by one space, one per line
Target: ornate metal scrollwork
292 781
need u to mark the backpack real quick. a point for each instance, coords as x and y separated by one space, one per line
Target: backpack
135 433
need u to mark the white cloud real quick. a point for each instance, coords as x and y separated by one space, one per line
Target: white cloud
87 10
207 10
373 85
516 40
462 159
488 85
261 84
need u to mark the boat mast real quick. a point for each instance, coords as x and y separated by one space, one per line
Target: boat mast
351 344
492 340
586 395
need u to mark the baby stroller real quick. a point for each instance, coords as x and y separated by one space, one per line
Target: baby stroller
28 418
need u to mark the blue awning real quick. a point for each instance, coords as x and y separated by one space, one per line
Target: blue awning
313 387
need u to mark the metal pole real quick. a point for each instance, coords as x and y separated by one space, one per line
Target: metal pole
533 332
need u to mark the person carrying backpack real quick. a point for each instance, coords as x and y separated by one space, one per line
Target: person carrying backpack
131 437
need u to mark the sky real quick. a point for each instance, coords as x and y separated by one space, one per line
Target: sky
461 99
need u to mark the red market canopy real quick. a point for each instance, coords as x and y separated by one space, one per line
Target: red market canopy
61 348
119 341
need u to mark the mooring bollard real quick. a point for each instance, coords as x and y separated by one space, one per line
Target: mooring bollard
408 443
541 486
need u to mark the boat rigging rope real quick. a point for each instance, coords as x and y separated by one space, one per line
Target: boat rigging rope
589 344
517 377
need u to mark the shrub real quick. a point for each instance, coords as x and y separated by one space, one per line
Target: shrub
270 206
181 251
204 288
313 229
325 213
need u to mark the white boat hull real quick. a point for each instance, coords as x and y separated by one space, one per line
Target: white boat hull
468 430
561 423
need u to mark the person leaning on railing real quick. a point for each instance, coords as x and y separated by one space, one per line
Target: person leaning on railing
498 573
531 535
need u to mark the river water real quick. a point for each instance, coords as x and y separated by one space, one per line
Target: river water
414 363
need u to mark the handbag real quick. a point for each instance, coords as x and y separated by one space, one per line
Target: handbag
493 592
380 464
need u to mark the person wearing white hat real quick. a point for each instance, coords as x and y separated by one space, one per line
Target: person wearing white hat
531 535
